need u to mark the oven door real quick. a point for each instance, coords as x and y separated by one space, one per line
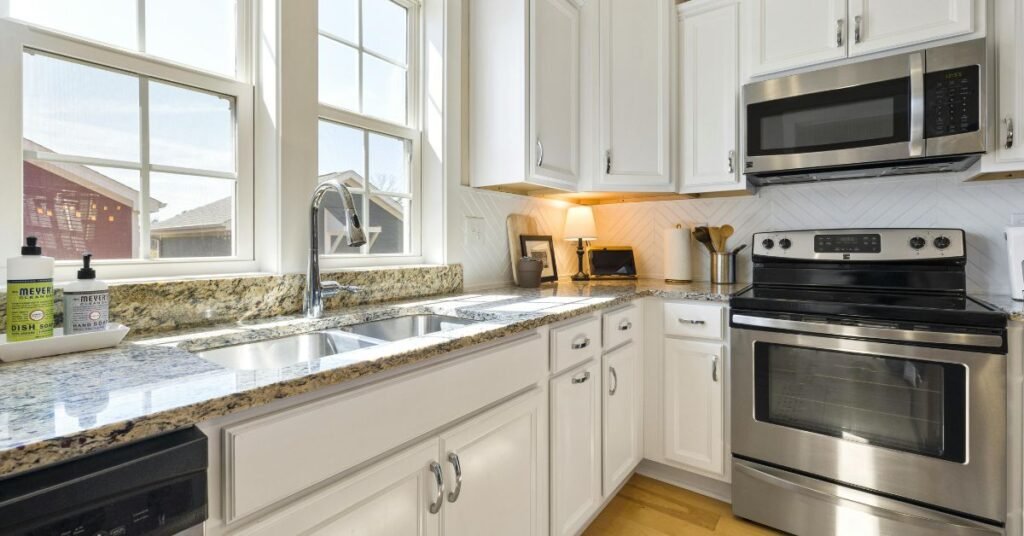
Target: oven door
908 421
860 113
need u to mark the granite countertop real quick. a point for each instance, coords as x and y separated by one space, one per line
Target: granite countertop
58 408
1003 302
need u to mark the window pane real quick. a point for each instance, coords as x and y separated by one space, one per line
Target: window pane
107 21
341 18
333 239
338 74
385 25
190 128
387 224
72 209
200 33
76 109
340 149
383 90
389 170
195 217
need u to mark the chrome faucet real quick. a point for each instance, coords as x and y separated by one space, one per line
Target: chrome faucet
316 291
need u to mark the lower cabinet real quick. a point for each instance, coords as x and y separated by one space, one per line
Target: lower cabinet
694 409
575 447
622 415
486 476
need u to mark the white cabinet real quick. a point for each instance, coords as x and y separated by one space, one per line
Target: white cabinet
786 34
635 96
694 411
886 24
710 77
502 465
1008 147
622 406
575 448
524 95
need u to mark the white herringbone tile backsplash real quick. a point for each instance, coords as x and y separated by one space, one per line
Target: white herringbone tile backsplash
982 209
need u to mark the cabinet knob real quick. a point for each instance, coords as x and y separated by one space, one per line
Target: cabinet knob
1009 133
435 506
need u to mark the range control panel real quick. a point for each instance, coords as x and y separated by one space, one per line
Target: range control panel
951 102
872 245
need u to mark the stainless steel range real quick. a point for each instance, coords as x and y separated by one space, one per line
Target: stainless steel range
868 389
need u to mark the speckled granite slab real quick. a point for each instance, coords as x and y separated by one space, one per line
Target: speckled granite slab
163 306
57 408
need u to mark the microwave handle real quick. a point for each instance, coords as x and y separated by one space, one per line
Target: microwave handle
917 104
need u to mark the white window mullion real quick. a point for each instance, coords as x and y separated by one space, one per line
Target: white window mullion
140 24
144 173
359 51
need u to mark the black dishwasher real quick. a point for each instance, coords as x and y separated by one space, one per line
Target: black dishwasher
154 487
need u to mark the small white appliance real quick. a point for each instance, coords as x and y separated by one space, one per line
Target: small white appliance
1015 253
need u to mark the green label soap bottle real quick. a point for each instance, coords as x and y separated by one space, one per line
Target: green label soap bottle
29 294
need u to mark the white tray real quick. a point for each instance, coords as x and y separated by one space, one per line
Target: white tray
62 344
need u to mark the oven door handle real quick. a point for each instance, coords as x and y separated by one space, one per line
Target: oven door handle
859 500
980 340
917 104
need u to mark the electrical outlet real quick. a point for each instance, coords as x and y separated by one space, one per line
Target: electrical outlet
474 230
1017 220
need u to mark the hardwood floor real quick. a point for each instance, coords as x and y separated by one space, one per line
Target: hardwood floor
647 507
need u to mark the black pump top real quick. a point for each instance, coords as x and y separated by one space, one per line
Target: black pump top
86 272
31 248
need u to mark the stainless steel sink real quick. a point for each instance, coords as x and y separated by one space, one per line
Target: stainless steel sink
403 327
285 351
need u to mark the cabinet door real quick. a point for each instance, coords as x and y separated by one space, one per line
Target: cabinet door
694 373
635 94
622 415
575 448
391 498
502 459
710 55
1009 147
877 25
555 91
786 34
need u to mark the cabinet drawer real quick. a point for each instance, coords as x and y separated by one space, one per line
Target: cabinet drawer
620 326
575 343
270 458
694 320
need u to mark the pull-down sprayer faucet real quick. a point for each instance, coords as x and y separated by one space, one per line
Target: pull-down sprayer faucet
316 291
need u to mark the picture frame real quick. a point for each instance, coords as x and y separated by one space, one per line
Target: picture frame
542 248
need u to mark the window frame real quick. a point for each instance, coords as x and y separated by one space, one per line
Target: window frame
17 38
412 132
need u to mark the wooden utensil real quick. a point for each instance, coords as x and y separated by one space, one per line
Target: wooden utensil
716 237
702 236
727 231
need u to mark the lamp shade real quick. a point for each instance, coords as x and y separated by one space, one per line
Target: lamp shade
579 224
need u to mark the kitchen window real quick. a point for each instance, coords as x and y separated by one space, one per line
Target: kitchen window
369 121
135 133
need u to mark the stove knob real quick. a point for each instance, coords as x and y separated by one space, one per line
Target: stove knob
941 242
785 243
917 242
768 243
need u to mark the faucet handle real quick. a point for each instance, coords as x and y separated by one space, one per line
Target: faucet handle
333 288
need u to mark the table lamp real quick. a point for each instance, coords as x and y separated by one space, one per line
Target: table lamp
580 226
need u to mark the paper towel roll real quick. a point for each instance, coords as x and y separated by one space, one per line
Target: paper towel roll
677 255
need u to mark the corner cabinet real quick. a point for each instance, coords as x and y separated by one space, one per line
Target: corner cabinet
524 94
710 95
636 80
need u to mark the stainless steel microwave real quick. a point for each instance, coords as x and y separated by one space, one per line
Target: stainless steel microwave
918 112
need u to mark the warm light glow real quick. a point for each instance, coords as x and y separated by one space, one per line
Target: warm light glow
579 223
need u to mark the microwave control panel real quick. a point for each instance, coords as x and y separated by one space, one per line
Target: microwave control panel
951 101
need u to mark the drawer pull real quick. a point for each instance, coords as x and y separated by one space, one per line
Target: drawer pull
614 382
625 325
435 506
581 378
581 344
692 322
453 459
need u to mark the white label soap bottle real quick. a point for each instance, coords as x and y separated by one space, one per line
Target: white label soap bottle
86 302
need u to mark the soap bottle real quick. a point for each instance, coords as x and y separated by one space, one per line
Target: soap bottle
29 294
86 301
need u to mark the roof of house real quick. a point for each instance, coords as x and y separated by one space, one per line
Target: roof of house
215 214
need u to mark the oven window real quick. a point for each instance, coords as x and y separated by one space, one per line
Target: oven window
860 116
902 404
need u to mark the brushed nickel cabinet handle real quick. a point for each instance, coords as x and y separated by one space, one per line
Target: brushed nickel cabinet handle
581 344
608 162
435 506
581 378
714 369
1009 132
732 158
453 459
858 23
540 153
692 322
840 24
625 325
615 381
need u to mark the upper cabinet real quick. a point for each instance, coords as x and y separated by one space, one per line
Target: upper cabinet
635 96
524 109
1009 51
787 34
710 95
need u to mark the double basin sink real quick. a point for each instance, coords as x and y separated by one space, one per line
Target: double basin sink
304 347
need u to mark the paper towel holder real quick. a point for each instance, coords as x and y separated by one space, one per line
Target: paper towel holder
675 281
